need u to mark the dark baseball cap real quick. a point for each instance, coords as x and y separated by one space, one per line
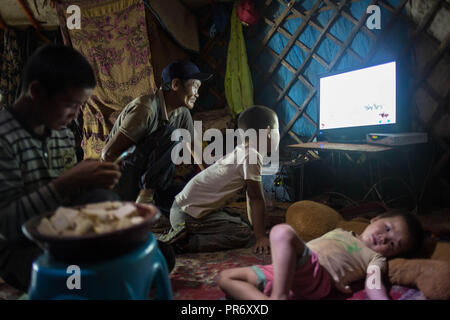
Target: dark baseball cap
183 70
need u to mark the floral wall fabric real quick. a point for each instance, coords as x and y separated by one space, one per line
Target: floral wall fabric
113 37
11 65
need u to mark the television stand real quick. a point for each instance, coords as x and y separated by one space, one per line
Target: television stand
346 140
345 147
335 138
372 151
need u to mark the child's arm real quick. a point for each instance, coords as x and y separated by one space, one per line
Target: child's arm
197 158
257 207
374 285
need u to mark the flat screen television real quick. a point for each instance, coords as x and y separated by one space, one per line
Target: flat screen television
356 102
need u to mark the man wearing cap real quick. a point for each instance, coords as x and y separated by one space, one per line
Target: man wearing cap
148 122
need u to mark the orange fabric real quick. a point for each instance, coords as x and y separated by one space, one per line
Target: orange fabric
2 24
33 21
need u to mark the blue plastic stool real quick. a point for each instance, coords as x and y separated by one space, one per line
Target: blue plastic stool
130 276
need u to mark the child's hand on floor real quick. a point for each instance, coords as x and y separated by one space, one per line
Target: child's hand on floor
343 288
262 246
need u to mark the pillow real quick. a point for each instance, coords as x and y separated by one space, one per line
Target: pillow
311 219
432 277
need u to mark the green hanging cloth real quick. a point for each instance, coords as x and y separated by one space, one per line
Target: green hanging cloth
238 79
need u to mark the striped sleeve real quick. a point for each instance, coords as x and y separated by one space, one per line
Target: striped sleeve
16 205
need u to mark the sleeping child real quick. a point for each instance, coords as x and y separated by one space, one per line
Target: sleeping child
311 270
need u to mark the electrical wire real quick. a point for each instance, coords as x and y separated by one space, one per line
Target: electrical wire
373 187
278 182
425 180
343 196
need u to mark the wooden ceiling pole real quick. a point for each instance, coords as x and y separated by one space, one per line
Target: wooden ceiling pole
289 45
385 31
303 66
2 23
424 24
278 22
33 21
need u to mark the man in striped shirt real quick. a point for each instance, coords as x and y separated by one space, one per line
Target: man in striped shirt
38 165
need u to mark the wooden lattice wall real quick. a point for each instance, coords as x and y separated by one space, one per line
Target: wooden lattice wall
339 9
290 9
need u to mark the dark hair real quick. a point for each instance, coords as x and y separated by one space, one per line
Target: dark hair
257 117
55 67
416 232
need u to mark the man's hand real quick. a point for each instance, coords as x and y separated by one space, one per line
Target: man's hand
88 174
262 246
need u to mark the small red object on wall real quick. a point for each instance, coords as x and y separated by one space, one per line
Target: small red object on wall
247 12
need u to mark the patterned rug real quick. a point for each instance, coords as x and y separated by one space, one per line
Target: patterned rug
9 293
194 277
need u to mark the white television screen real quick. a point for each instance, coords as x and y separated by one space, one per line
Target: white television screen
363 97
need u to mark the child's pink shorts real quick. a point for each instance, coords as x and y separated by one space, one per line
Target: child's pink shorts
311 280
